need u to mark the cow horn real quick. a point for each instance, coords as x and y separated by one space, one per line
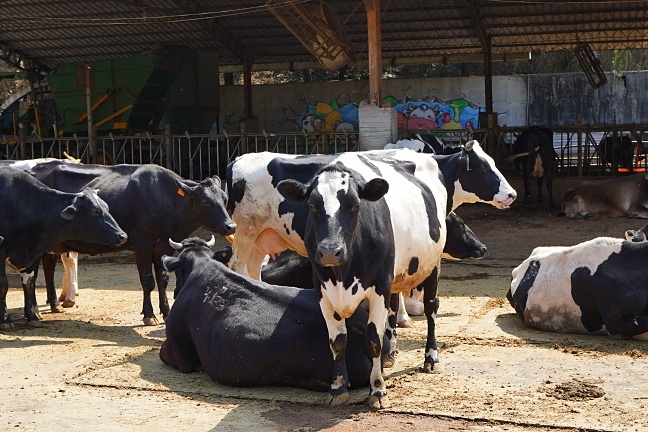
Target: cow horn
469 145
211 242
174 245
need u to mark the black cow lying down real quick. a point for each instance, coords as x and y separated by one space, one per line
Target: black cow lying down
598 286
247 333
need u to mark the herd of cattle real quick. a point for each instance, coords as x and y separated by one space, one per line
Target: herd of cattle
368 231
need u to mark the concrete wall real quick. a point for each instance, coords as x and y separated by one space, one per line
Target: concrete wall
557 99
278 106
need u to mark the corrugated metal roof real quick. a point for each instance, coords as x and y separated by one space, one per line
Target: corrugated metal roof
51 32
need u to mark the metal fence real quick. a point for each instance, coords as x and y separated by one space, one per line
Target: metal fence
196 156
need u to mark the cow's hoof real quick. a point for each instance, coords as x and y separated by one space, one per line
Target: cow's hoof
338 400
378 402
68 303
7 326
431 368
57 309
34 323
406 323
389 361
152 321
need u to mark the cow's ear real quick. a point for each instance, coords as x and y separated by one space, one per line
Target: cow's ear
184 189
374 189
170 263
293 190
68 212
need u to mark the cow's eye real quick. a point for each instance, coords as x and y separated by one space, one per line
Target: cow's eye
205 203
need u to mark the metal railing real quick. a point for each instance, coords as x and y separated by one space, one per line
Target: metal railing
196 156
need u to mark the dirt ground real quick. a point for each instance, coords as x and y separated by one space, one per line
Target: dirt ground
96 367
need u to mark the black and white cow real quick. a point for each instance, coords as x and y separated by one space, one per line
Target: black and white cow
362 241
533 152
425 143
34 217
152 204
595 286
248 333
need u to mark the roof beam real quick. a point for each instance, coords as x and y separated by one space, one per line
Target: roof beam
478 23
217 30
20 61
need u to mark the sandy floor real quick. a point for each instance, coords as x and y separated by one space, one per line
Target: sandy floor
96 367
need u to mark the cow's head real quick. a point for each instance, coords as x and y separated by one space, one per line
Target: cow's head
479 180
209 201
90 220
334 199
188 251
574 204
461 241
636 236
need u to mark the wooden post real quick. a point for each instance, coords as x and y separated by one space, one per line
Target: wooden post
488 76
374 51
92 136
579 122
247 88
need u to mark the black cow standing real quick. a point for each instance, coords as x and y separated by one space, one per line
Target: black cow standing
152 204
616 152
247 333
34 217
534 154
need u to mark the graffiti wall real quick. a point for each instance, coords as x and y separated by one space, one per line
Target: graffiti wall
425 114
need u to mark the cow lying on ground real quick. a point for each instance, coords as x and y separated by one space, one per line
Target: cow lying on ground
533 152
636 235
249 333
617 197
151 204
595 286
34 217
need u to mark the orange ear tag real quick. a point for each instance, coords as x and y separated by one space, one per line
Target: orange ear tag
181 192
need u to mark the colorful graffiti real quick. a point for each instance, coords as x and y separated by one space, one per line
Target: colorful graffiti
426 114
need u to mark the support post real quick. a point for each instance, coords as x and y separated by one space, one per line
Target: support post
374 51
168 145
92 136
488 75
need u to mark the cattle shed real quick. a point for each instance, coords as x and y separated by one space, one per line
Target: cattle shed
245 36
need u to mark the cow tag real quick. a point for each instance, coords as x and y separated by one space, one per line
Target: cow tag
181 192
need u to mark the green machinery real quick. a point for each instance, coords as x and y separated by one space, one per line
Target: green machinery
126 94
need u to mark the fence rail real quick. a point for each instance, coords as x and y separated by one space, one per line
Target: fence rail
196 156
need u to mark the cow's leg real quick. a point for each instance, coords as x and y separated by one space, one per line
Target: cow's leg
378 311
395 305
180 353
144 258
242 247
5 321
402 318
338 392
627 325
28 277
49 262
70 288
549 173
526 176
162 280
540 181
431 301
254 263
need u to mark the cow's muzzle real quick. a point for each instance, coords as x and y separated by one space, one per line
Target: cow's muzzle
230 228
330 254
